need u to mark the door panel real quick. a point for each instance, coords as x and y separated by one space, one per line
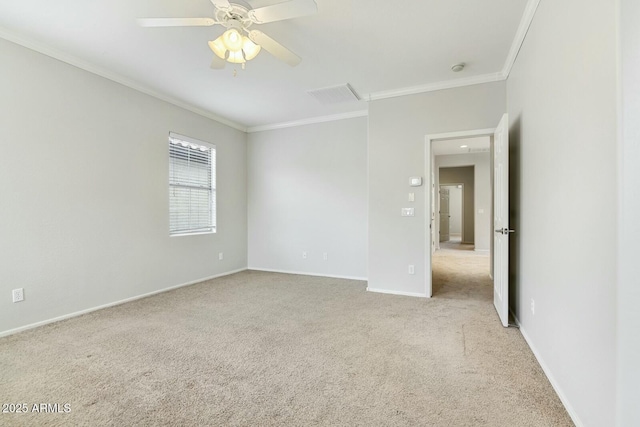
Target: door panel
445 215
501 220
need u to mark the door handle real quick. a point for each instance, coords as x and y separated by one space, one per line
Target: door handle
505 231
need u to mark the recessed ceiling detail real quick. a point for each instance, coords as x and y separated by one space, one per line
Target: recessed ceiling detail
335 94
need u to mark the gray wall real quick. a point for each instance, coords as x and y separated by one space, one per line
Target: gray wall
308 192
81 225
84 184
463 175
397 130
562 109
629 227
482 190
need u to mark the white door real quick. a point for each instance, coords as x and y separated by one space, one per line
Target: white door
501 220
430 191
445 215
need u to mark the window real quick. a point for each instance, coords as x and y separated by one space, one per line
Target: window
192 186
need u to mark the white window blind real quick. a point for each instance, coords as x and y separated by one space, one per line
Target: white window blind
192 186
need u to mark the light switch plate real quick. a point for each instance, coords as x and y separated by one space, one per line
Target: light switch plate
412 197
408 212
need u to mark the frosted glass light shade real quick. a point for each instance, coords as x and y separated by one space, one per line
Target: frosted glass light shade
232 40
222 47
250 48
218 48
236 57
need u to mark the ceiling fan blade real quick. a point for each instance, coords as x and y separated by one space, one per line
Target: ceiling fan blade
217 63
285 10
274 48
221 4
176 22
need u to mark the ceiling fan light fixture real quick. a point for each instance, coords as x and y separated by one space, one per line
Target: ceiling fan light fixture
236 57
217 46
247 51
250 49
238 44
232 40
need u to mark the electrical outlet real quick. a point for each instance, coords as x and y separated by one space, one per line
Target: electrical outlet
18 295
325 256
412 269
220 256
412 197
533 306
304 254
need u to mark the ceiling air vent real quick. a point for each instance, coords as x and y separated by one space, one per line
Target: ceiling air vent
335 94
478 150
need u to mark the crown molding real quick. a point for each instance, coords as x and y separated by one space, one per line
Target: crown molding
431 87
518 40
521 34
309 121
118 78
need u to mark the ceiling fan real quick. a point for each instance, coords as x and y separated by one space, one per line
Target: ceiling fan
239 44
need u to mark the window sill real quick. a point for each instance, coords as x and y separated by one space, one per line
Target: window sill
192 234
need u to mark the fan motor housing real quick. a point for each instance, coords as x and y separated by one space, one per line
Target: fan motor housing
236 16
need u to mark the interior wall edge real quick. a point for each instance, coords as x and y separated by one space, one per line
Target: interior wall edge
399 293
305 273
554 383
115 303
115 77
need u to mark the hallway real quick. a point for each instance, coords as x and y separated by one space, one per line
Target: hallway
461 273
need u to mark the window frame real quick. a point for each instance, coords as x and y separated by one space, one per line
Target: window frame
212 189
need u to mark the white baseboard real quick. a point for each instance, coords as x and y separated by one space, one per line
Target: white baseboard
405 294
481 250
111 304
563 398
303 273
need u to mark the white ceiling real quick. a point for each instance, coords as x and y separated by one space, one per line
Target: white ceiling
380 48
461 146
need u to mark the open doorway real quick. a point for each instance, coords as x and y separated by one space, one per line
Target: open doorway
497 211
462 210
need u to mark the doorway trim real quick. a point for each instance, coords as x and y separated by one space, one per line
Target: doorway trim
429 162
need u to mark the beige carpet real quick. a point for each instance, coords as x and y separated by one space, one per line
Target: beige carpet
264 349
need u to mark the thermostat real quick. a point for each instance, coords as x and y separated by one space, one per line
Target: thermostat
415 181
